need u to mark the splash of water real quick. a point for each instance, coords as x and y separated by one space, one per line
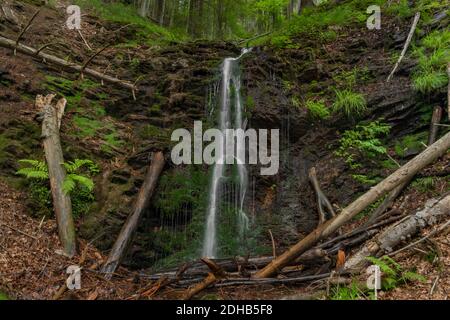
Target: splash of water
230 81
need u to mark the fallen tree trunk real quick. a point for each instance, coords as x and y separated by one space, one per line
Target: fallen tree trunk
52 116
394 194
143 201
435 210
311 257
407 172
11 44
216 273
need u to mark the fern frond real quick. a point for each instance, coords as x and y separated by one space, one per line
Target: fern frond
31 173
83 181
68 185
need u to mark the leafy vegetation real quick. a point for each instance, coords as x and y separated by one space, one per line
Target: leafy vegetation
393 273
78 183
364 141
318 109
433 56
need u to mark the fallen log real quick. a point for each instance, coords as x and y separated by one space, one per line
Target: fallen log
216 273
311 257
143 201
407 172
435 210
11 44
394 194
52 116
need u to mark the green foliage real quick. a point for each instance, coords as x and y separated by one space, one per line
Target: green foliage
350 103
428 82
433 55
365 179
410 144
363 141
318 109
393 273
400 9
353 292
3 296
36 169
77 183
424 184
127 14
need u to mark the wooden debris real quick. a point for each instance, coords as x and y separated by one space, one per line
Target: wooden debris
431 154
52 116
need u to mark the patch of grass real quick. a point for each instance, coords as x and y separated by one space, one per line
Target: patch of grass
433 55
350 103
401 9
3 296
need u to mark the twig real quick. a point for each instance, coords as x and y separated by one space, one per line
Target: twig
92 58
405 48
274 249
19 231
25 30
84 40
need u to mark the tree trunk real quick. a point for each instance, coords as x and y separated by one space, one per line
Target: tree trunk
434 211
434 127
52 115
143 201
405 173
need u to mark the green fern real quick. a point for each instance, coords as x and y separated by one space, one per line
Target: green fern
363 141
38 170
393 273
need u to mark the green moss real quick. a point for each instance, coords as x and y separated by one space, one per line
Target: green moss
86 127
150 131
411 144
3 296
155 110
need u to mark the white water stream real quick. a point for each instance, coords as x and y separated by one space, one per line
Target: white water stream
229 97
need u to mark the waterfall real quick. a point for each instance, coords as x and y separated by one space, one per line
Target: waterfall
231 80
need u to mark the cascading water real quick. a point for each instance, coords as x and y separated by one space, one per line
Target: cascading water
231 83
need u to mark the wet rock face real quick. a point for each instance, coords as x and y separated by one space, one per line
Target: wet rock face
274 77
